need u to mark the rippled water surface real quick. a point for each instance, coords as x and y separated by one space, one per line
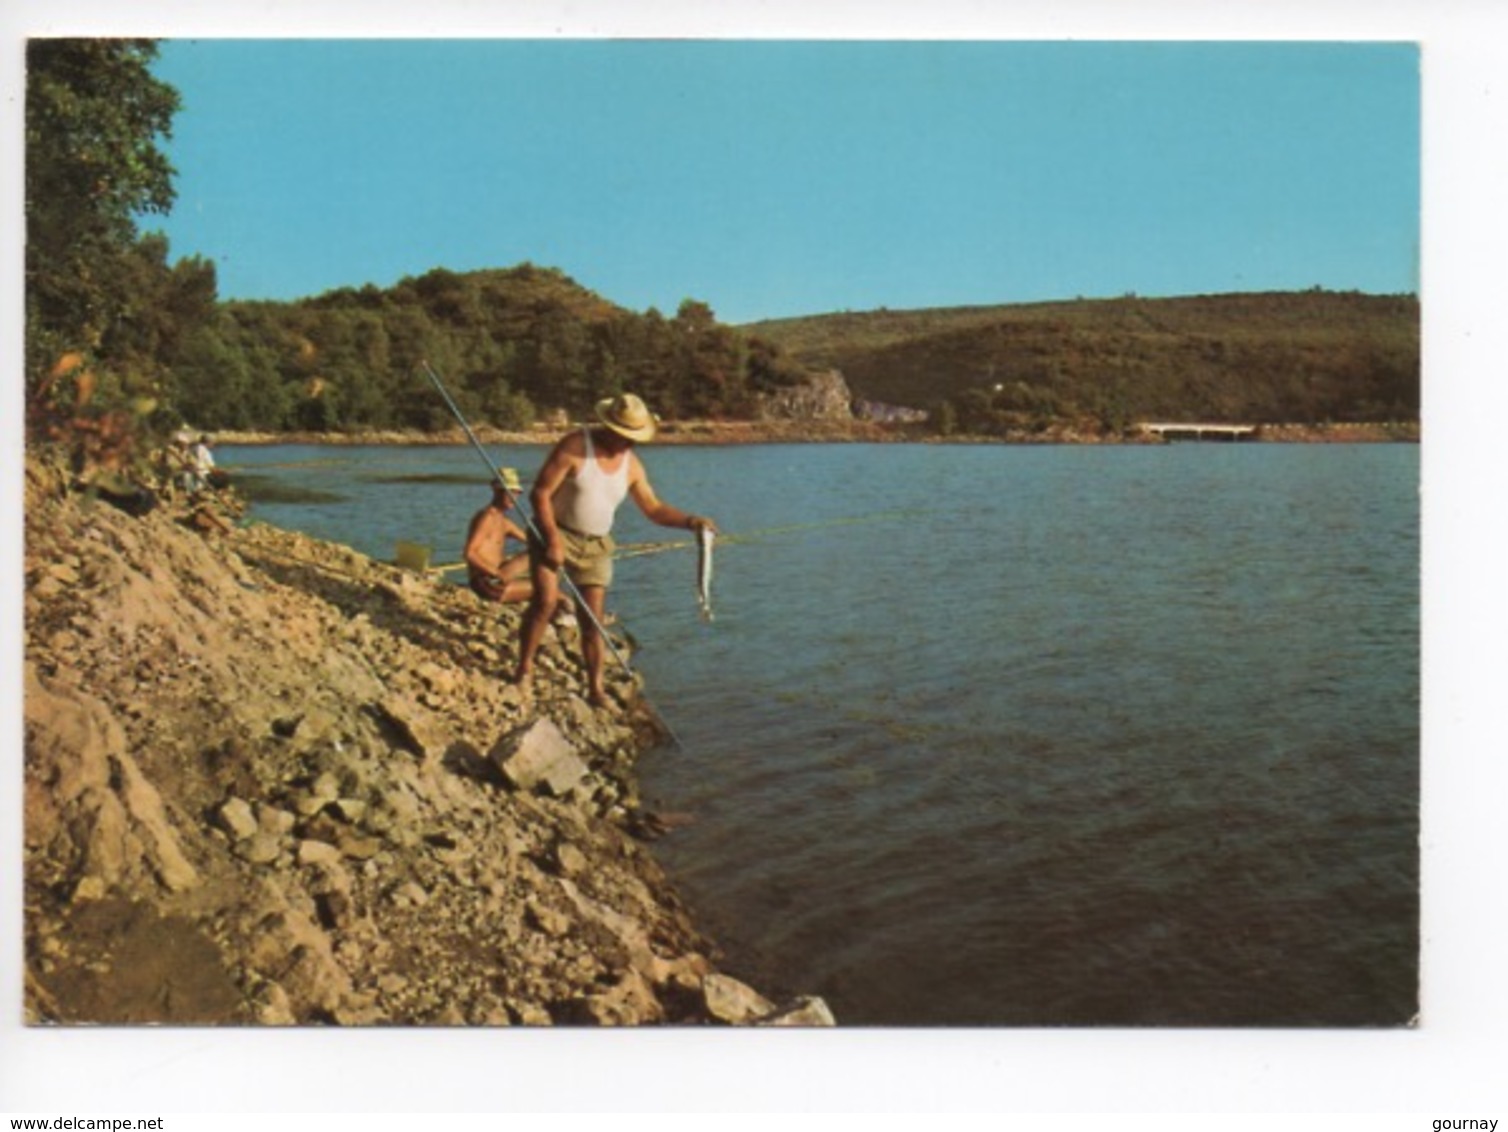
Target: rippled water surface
1020 736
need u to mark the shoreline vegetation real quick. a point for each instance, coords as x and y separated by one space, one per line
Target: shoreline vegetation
831 432
271 781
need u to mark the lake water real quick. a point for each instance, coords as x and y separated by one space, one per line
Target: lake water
1014 735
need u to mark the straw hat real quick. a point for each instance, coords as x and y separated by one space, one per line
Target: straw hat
508 480
628 416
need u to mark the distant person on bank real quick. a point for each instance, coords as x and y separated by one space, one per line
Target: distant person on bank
575 498
202 463
193 462
494 574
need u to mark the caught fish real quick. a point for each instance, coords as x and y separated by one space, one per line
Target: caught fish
704 540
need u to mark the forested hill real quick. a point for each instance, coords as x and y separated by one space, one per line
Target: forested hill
1307 357
513 344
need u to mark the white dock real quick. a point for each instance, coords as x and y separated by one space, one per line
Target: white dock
1185 430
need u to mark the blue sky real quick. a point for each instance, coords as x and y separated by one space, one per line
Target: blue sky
772 178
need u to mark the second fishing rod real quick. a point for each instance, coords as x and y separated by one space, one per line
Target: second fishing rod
538 537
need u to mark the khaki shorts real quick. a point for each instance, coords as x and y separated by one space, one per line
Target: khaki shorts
588 558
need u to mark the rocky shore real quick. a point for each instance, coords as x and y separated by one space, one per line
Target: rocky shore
676 432
269 781
834 431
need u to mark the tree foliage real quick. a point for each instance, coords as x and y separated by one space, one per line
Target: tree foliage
513 344
105 314
1306 357
94 115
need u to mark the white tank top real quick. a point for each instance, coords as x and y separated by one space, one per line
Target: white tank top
586 502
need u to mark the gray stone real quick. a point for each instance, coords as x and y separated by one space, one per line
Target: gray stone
538 756
731 1001
272 1006
89 888
808 1010
413 726
309 804
318 853
349 809
152 825
569 860
360 848
237 819
271 819
260 848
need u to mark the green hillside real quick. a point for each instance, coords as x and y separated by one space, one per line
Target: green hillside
1302 357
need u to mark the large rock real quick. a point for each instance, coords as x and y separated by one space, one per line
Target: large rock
631 933
411 726
539 756
728 1000
97 793
826 397
237 818
731 1001
153 825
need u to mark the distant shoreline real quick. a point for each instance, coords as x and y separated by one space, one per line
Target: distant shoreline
718 433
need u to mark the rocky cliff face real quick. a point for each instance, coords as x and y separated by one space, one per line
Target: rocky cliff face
825 398
268 780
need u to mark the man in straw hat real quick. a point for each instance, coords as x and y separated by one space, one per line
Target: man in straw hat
492 574
575 497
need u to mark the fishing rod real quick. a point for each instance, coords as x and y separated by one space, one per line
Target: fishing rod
581 605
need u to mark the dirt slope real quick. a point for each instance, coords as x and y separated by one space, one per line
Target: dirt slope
270 781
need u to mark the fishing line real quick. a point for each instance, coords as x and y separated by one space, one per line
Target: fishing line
638 549
582 607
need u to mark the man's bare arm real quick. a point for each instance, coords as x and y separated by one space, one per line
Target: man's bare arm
655 509
542 496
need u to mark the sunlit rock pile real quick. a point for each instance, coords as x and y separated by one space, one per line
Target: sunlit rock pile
271 781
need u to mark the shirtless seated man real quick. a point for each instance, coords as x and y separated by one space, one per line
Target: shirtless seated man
492 573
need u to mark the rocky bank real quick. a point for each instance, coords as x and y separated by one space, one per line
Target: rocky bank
835 430
271 781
